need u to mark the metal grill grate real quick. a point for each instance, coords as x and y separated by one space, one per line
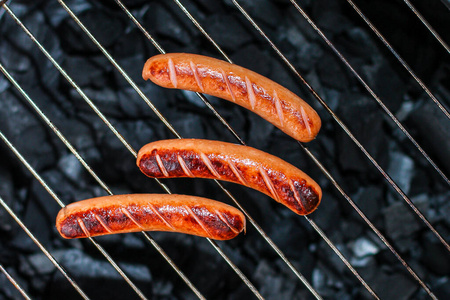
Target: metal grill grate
317 160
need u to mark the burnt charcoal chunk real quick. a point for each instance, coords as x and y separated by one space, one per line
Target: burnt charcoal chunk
7 195
107 31
369 200
392 286
169 23
401 222
86 71
251 57
227 31
436 259
97 277
388 86
263 11
360 115
332 73
24 131
432 130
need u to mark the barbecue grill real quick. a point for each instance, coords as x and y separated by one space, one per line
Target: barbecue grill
74 109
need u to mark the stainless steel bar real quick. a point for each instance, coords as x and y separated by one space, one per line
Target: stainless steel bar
427 25
36 241
94 175
367 87
399 58
347 130
14 282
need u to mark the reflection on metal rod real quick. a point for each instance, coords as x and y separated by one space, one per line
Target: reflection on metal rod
430 28
14 282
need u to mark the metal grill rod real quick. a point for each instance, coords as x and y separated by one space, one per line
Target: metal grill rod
94 175
366 86
250 219
347 131
36 241
399 58
13 281
429 27
320 232
338 187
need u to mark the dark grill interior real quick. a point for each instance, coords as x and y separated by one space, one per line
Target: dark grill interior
138 124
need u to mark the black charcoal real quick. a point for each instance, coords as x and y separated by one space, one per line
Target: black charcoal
227 31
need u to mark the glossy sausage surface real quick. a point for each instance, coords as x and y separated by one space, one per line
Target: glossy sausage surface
246 88
230 162
150 212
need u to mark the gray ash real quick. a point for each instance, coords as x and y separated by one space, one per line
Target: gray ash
139 125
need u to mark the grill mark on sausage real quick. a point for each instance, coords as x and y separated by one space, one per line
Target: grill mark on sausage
209 165
184 166
305 120
200 222
156 212
103 223
161 165
224 219
227 82
236 172
278 107
250 92
83 227
197 77
268 183
172 73
296 194
127 213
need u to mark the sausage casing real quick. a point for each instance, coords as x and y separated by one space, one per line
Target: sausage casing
150 212
230 162
246 88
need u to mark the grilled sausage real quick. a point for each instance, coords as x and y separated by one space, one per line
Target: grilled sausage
246 88
150 212
230 162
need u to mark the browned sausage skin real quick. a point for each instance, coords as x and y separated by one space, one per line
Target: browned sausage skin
150 212
230 162
246 88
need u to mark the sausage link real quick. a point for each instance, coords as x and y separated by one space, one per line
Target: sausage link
246 88
235 163
150 212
